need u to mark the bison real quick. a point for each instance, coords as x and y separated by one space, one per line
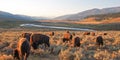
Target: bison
37 39
23 49
73 34
51 33
92 33
67 36
26 35
86 33
76 42
104 33
99 41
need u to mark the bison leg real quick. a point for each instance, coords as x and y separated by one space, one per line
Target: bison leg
16 54
34 45
48 44
98 45
20 57
64 39
78 45
101 44
25 56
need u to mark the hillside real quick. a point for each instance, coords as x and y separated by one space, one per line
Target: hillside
110 21
13 17
101 19
108 16
92 19
82 15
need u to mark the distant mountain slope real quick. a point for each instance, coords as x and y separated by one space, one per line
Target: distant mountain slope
82 15
93 19
11 17
101 19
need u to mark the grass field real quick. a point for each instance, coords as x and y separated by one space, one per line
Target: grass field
63 51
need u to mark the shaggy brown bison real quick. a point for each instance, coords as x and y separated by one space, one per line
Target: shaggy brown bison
99 41
73 34
104 33
67 36
26 35
86 33
37 39
92 33
51 33
23 49
76 42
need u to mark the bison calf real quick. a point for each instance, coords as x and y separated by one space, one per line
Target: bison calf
23 49
99 41
76 42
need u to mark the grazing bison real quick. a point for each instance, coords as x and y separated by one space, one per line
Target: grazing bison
73 34
99 41
26 35
23 49
104 33
37 39
92 33
67 36
76 42
51 33
86 33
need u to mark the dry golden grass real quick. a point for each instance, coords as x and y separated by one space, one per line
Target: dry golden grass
93 21
64 51
87 21
6 57
54 21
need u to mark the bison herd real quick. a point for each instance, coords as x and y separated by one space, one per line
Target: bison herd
33 40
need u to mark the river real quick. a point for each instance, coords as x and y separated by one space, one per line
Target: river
55 27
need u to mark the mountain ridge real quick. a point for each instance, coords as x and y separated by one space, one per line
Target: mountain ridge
83 14
10 17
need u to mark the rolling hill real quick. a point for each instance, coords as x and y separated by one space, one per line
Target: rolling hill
9 20
101 19
82 15
5 16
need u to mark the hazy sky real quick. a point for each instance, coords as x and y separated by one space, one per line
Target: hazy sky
53 8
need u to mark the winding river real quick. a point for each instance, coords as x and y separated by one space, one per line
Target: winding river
54 27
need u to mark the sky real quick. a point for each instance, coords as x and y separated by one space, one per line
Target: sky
53 8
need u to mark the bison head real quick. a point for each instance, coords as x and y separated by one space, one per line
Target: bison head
26 35
35 45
